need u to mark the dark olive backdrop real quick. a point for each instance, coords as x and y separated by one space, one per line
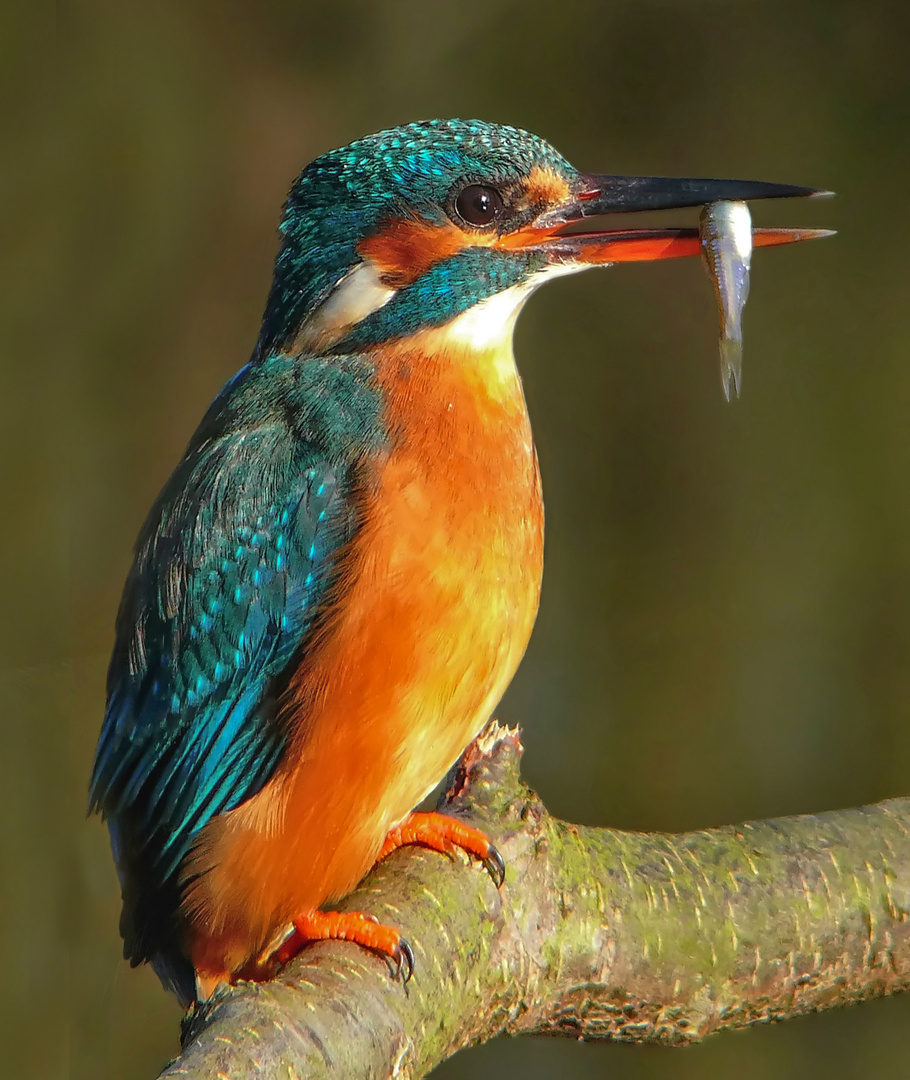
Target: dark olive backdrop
725 628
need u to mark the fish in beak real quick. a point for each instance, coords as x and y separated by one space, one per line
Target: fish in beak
724 238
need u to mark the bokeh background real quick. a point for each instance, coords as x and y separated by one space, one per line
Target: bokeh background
725 628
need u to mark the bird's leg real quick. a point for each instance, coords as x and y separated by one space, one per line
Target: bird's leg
349 926
435 831
444 834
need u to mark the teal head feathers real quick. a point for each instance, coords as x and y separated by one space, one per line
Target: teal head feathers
407 180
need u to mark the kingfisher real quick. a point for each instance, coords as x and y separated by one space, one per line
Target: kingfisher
336 585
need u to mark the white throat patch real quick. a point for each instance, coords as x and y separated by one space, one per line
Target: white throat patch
489 324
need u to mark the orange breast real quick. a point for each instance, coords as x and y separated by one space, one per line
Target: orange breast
444 592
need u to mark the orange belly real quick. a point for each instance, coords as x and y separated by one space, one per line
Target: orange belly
444 587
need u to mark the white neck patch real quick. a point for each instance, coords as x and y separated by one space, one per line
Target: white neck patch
487 326
358 294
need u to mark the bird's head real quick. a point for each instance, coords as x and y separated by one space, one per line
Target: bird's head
413 227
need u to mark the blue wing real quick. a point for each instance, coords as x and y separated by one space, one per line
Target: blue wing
221 594
230 571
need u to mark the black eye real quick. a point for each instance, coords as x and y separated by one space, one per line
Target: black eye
479 205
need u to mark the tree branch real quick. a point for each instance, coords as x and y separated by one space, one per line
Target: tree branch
596 934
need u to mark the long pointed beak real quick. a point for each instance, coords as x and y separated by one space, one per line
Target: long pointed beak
601 195
628 194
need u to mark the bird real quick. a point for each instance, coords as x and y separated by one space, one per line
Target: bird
336 585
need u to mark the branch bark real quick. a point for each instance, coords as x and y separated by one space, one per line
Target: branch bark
642 937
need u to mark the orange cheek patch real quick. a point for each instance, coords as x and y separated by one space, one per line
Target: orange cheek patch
544 187
405 249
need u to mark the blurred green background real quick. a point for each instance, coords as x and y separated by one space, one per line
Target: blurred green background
725 628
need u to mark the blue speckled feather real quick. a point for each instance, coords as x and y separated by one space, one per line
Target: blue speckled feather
231 570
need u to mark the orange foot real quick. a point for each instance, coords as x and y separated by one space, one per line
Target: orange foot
435 831
444 834
350 926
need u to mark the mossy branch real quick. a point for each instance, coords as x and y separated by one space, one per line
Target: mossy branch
595 934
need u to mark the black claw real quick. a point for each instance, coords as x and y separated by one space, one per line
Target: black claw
405 962
496 868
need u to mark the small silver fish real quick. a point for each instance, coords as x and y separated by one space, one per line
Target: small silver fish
725 230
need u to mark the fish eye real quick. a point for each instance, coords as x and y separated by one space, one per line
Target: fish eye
478 205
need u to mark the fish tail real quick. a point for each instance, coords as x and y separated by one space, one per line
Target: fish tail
731 366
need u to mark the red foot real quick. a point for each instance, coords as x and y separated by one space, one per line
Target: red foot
350 926
444 834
